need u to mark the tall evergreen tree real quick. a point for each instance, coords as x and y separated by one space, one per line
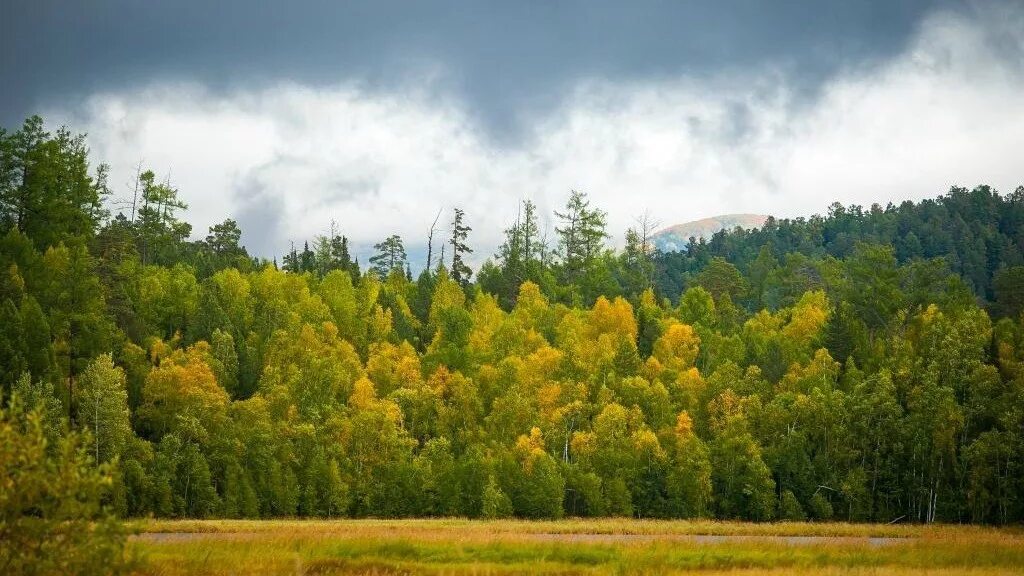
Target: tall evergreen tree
45 187
580 237
160 233
460 232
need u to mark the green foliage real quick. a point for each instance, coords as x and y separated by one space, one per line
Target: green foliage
495 503
790 508
102 399
743 484
52 517
160 233
460 232
821 508
721 279
46 191
1009 290
843 367
390 256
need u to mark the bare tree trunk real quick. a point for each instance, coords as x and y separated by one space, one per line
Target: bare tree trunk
430 239
96 423
135 191
647 226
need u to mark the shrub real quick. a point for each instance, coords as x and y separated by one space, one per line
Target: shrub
52 519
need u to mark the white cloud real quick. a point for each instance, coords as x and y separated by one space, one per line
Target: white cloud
286 160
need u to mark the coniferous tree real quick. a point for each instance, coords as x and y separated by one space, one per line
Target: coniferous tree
46 191
307 260
580 237
390 256
160 234
460 271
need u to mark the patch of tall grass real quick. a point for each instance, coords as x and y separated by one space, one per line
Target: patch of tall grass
455 547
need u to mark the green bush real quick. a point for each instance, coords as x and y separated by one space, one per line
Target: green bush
52 517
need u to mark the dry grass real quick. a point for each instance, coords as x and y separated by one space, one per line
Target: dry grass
611 546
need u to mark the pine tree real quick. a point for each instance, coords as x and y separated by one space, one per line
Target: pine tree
341 259
160 233
45 187
581 236
291 261
307 260
460 231
390 256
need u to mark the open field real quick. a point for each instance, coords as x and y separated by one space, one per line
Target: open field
453 546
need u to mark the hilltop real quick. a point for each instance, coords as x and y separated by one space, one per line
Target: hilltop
675 238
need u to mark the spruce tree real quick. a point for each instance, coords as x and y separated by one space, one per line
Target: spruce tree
460 231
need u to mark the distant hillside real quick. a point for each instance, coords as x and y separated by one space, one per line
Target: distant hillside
674 238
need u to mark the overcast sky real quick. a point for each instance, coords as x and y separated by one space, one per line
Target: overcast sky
287 116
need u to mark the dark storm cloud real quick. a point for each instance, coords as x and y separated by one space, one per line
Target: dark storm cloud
505 59
381 138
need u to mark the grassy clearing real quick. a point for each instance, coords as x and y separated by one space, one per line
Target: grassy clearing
455 546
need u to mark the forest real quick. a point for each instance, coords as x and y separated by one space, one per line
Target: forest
866 365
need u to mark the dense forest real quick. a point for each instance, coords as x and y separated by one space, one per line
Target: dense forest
866 365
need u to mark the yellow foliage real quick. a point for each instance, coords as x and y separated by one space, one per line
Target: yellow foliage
583 444
539 367
807 319
15 279
646 442
529 448
684 425
614 318
364 395
531 306
379 328
487 319
651 369
821 372
391 410
677 347
548 396
648 300
232 285
447 294
764 322
392 366
287 296
438 381
726 406
158 349
687 388
182 395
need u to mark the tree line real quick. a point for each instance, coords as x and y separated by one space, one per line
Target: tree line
829 368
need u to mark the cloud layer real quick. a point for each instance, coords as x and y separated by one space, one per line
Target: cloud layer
287 159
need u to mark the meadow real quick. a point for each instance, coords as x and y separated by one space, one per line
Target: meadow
612 546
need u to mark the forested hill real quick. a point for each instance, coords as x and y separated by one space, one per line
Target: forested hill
978 233
861 366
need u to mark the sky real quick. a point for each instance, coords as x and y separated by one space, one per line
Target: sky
287 116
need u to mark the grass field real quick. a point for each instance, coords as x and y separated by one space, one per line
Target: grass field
569 547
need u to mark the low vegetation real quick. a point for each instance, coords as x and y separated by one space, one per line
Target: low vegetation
609 546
